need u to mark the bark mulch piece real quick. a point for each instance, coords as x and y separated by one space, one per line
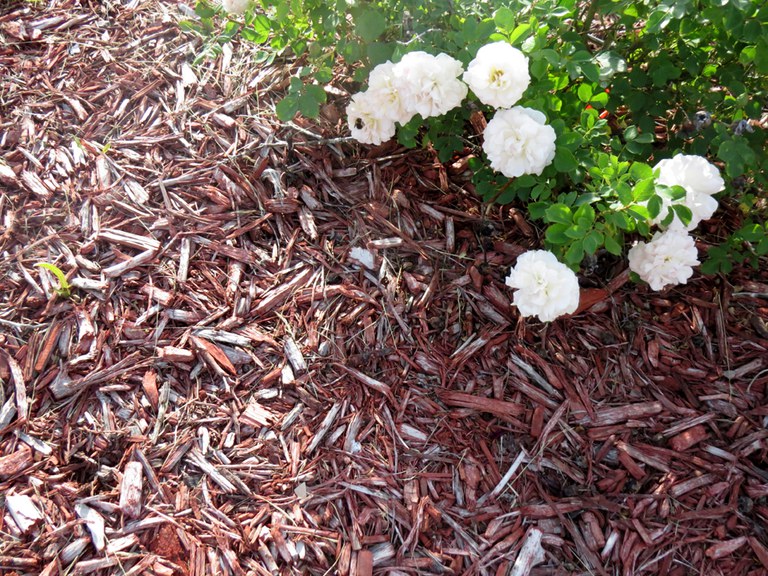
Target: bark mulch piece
284 354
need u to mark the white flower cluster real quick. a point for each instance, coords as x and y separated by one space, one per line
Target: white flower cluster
517 140
498 75
235 6
419 84
669 257
699 178
546 287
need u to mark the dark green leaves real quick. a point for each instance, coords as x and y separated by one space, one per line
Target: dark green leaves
369 24
301 98
559 213
259 30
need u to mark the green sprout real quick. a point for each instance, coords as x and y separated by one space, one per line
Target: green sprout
65 289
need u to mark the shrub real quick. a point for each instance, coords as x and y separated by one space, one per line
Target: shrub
624 86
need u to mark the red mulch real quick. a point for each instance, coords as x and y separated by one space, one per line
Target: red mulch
227 391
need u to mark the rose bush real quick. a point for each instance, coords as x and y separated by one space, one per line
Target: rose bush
680 88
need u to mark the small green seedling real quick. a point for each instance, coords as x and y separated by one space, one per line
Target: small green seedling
65 289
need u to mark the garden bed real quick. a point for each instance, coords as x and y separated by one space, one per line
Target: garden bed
231 388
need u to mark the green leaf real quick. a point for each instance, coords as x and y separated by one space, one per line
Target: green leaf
752 232
637 101
370 24
592 242
581 56
591 71
575 253
585 215
565 161
541 191
308 106
559 213
584 92
719 259
536 210
737 155
619 220
323 75
555 234
295 85
317 92
610 63
676 193
287 108
683 213
599 100
576 232
204 10
191 26
570 140
666 222
519 32
644 190
624 193
379 52
645 138
662 72
658 20
761 56
639 213
654 206
504 19
229 32
64 288
259 31
408 133
612 246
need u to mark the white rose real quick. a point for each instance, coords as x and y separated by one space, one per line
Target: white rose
365 120
700 179
498 75
667 259
381 82
518 141
545 287
692 172
235 6
429 85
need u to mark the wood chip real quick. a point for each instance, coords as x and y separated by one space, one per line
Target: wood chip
95 524
530 555
15 463
23 511
130 490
